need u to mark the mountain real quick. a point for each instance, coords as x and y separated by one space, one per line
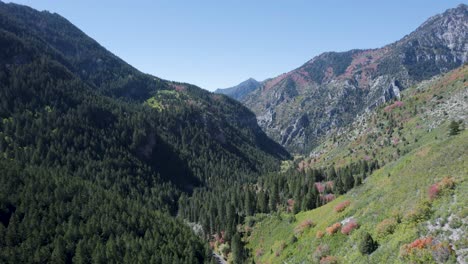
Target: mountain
239 91
300 107
411 208
94 154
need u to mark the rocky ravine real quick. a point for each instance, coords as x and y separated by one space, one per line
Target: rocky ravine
298 108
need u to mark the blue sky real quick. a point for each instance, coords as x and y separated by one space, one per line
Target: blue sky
217 43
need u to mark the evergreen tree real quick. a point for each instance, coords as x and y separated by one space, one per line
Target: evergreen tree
367 245
237 249
454 128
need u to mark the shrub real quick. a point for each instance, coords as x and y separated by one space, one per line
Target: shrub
319 234
437 188
327 198
329 260
333 228
282 246
455 223
447 183
421 213
419 243
386 227
320 187
341 206
320 252
303 226
426 249
442 252
349 227
259 252
224 249
433 191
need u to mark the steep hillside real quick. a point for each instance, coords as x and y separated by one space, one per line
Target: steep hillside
42 54
240 91
78 120
413 207
300 107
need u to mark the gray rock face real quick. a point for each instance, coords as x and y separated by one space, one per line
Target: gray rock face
298 108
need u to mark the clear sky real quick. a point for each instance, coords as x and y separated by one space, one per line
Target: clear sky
219 43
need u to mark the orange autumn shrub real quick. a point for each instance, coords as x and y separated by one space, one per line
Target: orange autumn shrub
333 228
426 249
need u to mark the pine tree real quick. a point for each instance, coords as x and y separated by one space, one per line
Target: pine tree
58 254
237 249
367 244
454 128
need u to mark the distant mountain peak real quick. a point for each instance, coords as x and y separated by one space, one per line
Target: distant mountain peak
241 90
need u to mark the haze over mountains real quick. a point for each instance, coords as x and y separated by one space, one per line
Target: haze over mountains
241 90
101 163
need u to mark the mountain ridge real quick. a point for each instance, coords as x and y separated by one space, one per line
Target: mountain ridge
98 154
329 90
241 90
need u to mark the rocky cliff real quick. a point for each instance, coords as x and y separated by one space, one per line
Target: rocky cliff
299 107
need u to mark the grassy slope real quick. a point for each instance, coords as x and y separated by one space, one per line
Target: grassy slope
425 107
395 191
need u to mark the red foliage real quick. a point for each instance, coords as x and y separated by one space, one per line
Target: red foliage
320 187
349 227
291 203
327 197
394 105
343 205
434 191
220 238
178 87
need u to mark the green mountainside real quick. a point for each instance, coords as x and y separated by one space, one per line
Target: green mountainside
413 208
96 154
100 163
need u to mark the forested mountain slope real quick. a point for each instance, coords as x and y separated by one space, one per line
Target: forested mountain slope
78 120
300 107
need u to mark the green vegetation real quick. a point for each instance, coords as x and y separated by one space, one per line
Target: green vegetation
418 189
102 163
106 157
454 128
403 197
